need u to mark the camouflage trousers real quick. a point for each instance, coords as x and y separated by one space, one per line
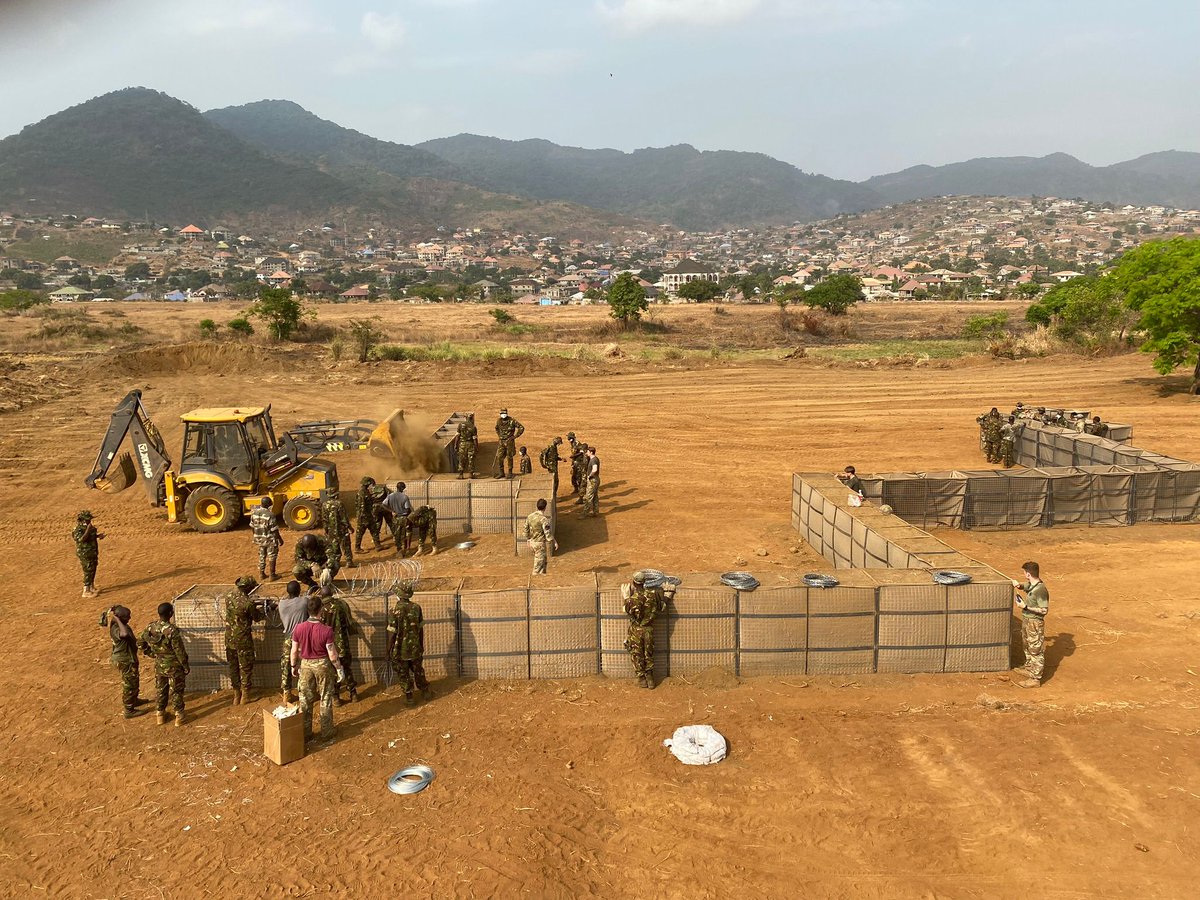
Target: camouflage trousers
466 459
505 452
1008 454
410 674
640 644
345 548
401 533
364 525
348 667
89 559
591 497
1033 635
129 683
286 679
991 449
170 685
317 681
241 666
267 553
539 557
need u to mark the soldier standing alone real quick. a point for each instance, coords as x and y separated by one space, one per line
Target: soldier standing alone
163 641
87 548
508 430
266 537
540 535
468 443
1033 623
124 656
240 615
991 423
406 644
643 605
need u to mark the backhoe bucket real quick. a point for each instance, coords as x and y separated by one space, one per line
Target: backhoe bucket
385 440
120 476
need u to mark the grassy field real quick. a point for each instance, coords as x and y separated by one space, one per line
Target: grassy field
95 248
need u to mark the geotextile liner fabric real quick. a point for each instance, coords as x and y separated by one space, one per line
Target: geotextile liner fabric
1070 478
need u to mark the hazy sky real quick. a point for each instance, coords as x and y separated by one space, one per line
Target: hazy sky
847 88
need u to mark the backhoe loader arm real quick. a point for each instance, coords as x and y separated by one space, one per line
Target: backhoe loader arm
130 418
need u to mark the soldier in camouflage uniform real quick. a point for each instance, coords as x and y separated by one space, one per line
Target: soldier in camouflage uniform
574 445
524 463
240 614
314 551
337 528
335 612
366 513
1096 427
540 535
163 641
643 605
550 459
1034 607
423 524
508 430
87 548
578 469
991 424
468 444
591 485
1008 442
406 644
266 537
124 656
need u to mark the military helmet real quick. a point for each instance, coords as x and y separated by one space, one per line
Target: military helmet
639 577
570 435
504 412
85 515
558 440
367 481
246 583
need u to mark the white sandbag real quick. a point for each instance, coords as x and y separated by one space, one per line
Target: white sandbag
697 745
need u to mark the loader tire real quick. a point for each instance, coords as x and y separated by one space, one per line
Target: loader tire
211 508
301 514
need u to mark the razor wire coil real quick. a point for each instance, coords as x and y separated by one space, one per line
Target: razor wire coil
741 581
655 578
400 783
820 581
949 577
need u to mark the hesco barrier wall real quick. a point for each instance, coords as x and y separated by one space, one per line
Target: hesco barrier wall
887 614
1073 478
877 620
484 505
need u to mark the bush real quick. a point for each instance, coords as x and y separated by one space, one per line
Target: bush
208 328
337 348
988 326
241 325
365 334
836 294
20 300
501 316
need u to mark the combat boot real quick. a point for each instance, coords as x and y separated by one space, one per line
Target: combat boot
427 693
409 698
160 717
271 571
237 698
262 575
378 546
460 476
180 718
247 696
353 695
131 713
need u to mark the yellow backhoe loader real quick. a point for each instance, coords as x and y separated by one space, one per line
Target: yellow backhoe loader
231 460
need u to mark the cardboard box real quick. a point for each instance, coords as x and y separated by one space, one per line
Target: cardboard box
283 739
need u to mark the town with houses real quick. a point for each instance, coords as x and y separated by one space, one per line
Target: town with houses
958 248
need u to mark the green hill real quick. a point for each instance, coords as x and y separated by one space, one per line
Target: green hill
138 152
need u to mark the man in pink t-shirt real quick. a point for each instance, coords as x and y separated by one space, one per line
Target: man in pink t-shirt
314 659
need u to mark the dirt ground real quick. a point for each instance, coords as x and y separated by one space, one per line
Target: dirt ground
875 786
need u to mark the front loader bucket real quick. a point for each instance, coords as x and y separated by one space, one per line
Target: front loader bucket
120 476
385 440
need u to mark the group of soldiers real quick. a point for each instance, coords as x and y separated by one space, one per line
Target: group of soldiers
1000 433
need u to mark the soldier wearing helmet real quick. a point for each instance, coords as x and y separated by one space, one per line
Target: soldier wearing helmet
87 548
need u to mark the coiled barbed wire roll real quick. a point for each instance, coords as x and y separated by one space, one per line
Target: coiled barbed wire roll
820 581
400 783
741 581
655 578
950 577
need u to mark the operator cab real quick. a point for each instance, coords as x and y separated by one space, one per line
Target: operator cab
233 441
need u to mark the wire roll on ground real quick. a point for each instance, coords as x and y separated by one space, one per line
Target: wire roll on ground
820 581
741 581
400 783
950 577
